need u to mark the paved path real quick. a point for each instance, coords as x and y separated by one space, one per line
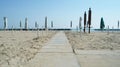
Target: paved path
98 58
57 53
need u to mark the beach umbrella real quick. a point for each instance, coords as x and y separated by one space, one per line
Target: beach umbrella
20 24
46 22
52 24
70 23
80 24
108 30
26 23
35 24
102 25
89 18
118 24
77 28
5 22
85 20
87 24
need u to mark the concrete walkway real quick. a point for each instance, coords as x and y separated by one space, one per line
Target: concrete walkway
98 58
57 53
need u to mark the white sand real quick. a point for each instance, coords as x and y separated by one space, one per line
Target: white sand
94 41
18 47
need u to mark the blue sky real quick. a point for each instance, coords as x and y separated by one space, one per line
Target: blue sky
61 12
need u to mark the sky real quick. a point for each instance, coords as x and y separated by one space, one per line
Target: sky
61 12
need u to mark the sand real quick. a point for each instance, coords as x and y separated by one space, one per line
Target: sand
97 49
18 47
94 40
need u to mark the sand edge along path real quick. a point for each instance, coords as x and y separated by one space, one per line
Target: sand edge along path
19 47
96 49
94 40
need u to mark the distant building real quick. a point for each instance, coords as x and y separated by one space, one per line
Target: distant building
45 23
26 23
5 22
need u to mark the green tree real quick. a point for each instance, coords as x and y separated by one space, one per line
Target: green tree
102 25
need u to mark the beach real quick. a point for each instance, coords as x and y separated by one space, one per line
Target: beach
30 48
19 47
97 49
94 40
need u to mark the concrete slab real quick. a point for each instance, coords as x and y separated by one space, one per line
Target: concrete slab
98 58
105 52
59 39
54 60
55 50
58 46
58 43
